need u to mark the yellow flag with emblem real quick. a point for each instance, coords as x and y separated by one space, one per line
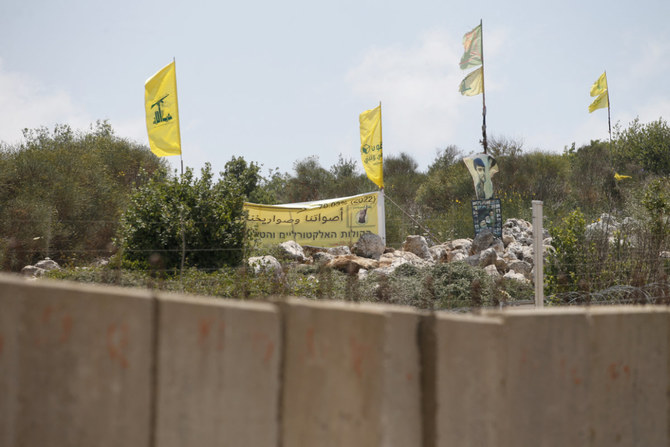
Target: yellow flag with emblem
162 112
371 144
472 84
600 86
599 89
600 102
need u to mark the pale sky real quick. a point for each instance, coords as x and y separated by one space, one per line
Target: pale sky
276 82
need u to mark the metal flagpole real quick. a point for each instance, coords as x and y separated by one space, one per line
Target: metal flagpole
609 121
181 159
484 142
381 207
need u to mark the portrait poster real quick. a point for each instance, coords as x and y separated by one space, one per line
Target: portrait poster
482 168
487 215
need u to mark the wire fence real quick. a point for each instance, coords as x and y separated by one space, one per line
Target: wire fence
607 273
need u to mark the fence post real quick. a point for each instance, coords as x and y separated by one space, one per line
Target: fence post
538 252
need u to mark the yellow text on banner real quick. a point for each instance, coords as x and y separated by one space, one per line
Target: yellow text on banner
371 144
162 112
323 223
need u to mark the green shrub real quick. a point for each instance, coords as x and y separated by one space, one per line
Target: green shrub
185 221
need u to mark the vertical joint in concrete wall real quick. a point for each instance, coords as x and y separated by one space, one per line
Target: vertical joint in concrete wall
281 305
155 340
428 358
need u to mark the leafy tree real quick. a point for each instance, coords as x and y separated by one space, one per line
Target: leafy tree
62 192
194 221
500 146
447 181
309 183
348 180
592 176
567 267
643 146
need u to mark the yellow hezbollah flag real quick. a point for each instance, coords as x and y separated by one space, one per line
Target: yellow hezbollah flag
619 177
601 102
600 86
371 144
473 84
160 102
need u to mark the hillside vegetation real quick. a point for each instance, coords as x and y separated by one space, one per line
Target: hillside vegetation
78 196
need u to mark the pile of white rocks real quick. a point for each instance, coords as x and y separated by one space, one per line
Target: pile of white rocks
510 257
40 267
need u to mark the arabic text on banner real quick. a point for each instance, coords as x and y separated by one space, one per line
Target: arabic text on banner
324 223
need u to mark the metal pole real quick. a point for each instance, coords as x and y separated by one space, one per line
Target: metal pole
538 257
484 142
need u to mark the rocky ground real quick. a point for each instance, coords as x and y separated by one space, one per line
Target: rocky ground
511 256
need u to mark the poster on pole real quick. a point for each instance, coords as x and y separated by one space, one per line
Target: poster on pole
487 215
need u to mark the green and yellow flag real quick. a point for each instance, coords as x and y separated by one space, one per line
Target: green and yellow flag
599 89
162 112
619 177
472 41
473 84
600 86
371 144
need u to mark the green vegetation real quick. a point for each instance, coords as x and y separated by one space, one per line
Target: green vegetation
78 196
62 193
444 286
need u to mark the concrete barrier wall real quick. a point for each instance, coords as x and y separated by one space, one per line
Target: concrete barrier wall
218 372
76 365
629 377
106 366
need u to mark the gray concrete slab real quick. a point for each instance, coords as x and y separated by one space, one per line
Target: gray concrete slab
82 372
546 378
333 374
629 376
218 372
470 380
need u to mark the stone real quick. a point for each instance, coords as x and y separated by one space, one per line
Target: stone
440 253
417 245
487 257
527 253
369 246
351 264
266 263
339 250
457 255
391 261
482 241
491 270
501 265
322 257
47 264
508 238
498 246
458 244
515 276
32 271
293 250
522 267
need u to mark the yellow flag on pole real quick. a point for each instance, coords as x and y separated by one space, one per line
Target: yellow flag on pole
162 112
371 144
473 84
600 86
600 102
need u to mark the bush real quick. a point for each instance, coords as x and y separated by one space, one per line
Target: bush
63 192
184 221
